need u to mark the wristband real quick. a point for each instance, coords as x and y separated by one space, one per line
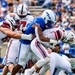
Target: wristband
53 41
26 37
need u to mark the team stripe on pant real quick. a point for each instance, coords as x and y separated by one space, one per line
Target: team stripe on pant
40 49
19 51
8 51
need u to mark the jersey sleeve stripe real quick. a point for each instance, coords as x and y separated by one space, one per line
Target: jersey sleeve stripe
5 24
59 34
56 36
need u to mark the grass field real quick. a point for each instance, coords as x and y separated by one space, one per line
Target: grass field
7 74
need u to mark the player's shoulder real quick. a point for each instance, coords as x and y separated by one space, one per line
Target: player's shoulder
52 29
5 24
30 17
39 19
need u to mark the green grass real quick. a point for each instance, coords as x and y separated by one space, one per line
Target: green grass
7 74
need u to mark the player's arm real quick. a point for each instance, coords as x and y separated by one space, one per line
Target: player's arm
38 31
39 35
15 35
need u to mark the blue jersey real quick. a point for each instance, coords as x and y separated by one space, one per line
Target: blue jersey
29 30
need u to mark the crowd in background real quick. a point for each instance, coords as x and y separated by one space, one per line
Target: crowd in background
65 10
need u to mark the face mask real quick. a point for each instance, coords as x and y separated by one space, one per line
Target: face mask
49 24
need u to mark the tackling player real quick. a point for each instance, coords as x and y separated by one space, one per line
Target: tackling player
45 21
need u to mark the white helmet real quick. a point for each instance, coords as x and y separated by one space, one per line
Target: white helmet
65 23
49 16
69 37
22 10
13 19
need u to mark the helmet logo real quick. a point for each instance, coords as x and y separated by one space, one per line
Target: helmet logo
22 10
48 15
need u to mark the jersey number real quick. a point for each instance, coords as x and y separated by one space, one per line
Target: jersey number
23 24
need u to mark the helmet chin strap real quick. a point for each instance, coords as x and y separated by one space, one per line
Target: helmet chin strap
22 16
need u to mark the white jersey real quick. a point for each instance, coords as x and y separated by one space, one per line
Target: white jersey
23 22
4 37
24 49
54 33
